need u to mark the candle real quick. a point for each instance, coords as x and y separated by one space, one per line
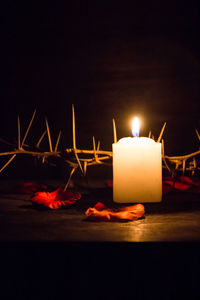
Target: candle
137 169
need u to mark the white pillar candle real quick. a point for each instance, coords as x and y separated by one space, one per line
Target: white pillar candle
137 170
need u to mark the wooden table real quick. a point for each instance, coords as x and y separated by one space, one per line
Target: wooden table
175 219
45 253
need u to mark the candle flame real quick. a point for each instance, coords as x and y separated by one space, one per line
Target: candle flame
135 127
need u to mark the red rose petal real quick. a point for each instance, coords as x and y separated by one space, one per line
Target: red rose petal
183 183
189 180
177 185
101 213
109 183
166 188
29 188
56 199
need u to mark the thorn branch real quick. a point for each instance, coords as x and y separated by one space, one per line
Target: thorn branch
161 133
28 128
49 135
114 131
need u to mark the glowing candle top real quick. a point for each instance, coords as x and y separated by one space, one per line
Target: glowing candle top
135 127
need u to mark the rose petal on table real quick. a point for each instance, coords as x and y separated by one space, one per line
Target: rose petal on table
56 199
29 188
109 183
102 213
183 183
177 185
190 181
166 188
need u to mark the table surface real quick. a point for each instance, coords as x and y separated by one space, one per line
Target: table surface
175 219
50 253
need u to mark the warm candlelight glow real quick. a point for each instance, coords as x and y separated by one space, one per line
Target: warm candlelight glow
135 127
137 168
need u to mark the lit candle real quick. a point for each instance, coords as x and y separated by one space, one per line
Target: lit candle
137 169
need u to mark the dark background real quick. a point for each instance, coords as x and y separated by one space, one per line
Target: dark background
109 58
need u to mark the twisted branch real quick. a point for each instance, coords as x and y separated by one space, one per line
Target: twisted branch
173 164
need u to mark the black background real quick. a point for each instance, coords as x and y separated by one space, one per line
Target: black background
110 59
